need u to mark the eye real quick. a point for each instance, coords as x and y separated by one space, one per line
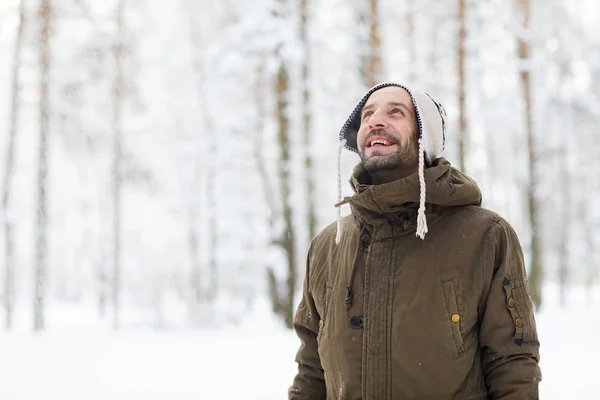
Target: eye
367 114
396 111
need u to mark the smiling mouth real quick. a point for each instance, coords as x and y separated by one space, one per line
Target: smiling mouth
379 142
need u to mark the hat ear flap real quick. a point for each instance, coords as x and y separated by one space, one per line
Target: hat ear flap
432 123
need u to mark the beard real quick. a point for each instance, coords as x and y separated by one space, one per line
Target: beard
405 156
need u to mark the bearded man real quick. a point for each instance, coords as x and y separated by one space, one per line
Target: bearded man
420 293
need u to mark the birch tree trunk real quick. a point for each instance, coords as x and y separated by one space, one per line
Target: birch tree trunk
211 212
117 178
411 40
194 206
9 262
566 206
41 245
206 161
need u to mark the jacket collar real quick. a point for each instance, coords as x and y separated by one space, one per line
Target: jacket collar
397 202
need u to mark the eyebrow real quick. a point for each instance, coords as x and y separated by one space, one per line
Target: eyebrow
391 103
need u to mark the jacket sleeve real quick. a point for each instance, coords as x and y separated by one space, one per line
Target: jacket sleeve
309 382
508 334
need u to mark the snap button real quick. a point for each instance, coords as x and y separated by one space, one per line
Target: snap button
364 243
356 322
348 297
455 318
511 302
519 322
321 323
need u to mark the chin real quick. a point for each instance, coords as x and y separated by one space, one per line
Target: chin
377 163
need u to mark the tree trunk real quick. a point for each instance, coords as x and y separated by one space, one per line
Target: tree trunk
117 177
9 271
593 261
431 66
535 272
591 224
211 211
41 253
374 60
306 125
411 40
259 149
102 287
566 206
288 239
193 234
463 134
209 162
283 295
194 206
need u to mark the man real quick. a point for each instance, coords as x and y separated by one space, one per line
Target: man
420 293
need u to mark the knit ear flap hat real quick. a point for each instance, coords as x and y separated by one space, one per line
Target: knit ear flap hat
431 120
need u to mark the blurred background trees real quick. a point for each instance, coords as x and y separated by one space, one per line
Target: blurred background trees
168 163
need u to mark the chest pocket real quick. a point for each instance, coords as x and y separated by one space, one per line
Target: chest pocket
455 310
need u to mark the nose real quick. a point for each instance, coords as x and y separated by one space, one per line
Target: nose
377 120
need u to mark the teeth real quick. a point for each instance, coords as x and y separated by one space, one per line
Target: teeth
379 141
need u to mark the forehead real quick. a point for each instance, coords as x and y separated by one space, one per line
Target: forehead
389 94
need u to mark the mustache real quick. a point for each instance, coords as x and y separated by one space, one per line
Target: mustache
382 133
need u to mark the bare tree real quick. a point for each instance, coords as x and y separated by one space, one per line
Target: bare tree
193 234
411 39
463 134
592 223
208 162
306 121
117 178
535 273
259 146
374 58
567 201
9 271
41 246
211 212
102 276
194 209
282 293
593 262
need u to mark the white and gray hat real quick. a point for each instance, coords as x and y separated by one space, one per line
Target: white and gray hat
431 120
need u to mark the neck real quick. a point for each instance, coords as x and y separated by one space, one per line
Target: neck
391 175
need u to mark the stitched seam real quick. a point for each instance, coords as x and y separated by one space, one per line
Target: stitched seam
390 306
486 257
366 329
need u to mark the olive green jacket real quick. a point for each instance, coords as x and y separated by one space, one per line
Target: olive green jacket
386 315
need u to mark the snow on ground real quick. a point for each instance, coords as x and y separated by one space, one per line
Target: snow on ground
251 361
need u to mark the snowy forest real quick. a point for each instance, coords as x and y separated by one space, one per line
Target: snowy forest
164 165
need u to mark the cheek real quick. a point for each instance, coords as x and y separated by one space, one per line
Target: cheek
406 132
360 136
